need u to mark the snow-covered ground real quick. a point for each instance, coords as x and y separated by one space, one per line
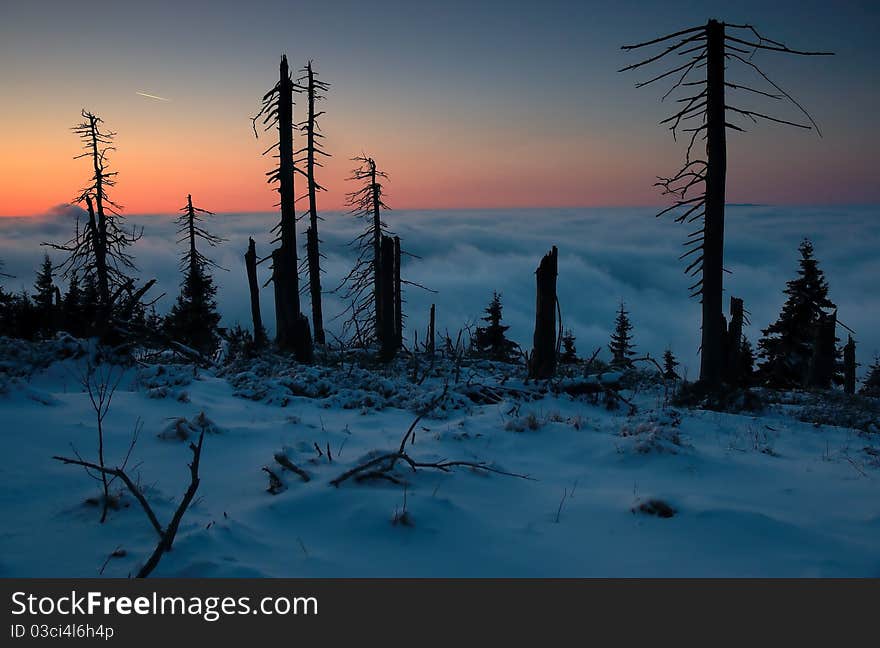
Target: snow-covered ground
754 495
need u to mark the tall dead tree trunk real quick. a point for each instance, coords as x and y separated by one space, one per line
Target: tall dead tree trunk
821 367
292 328
711 358
377 252
429 338
542 362
398 297
387 337
849 366
250 261
313 89
705 114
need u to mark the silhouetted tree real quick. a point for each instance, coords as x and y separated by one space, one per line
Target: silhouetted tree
44 297
713 48
669 365
250 260
491 341
72 309
292 327
362 288
849 366
542 361
100 246
310 153
871 383
787 345
194 319
569 350
745 373
621 346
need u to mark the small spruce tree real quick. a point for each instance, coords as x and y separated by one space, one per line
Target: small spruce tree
669 365
621 346
44 298
787 345
490 341
194 319
871 384
569 350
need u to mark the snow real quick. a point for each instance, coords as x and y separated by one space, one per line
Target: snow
754 494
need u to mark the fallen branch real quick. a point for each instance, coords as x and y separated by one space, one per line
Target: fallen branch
283 461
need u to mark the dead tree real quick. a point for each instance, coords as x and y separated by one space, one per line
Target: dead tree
429 337
542 362
734 341
361 287
849 366
310 153
292 327
698 187
250 262
167 534
99 247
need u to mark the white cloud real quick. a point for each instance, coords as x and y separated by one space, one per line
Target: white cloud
605 255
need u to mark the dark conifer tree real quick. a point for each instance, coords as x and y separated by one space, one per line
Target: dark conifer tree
669 365
621 346
72 308
194 319
491 341
44 298
787 345
871 383
746 360
569 350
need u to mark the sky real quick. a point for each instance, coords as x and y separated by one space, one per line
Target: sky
464 104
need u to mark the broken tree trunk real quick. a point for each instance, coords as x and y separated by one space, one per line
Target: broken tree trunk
849 366
385 317
312 249
250 262
734 340
821 367
429 338
711 358
398 296
542 362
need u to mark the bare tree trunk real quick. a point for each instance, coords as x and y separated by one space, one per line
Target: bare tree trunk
734 339
821 366
386 299
377 250
712 360
315 283
429 342
250 261
290 333
849 366
398 297
543 359
312 235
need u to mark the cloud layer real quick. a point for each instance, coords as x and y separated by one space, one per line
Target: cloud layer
605 256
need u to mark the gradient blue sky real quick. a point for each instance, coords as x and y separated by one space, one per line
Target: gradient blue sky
488 104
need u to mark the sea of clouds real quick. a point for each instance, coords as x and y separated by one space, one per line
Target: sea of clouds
605 255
